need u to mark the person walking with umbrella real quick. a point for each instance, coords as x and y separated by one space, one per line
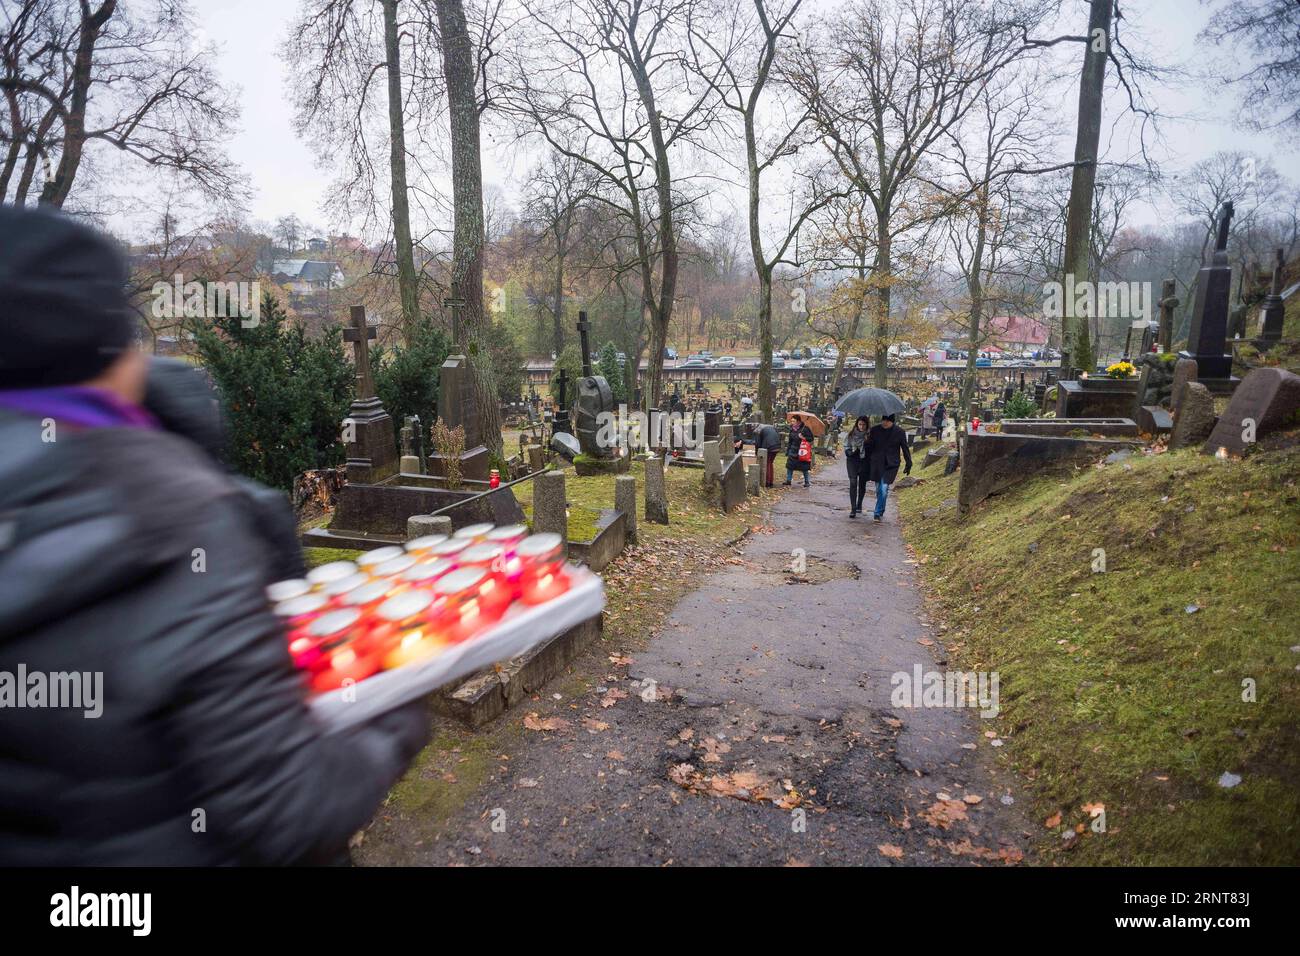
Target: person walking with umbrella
855 458
886 448
798 450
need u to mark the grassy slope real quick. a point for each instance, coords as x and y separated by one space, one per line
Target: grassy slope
1111 691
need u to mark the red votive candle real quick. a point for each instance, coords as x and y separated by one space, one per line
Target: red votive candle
329 573
541 573
285 590
449 548
474 531
403 631
342 656
422 544
378 556
507 535
486 555
474 600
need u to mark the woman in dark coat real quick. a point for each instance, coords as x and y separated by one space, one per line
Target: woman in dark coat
940 416
855 457
886 446
798 433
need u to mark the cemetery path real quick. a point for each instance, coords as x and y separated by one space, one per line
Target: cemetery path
756 726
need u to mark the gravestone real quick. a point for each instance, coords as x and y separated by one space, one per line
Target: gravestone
550 507
1184 372
727 443
656 494
731 485
458 405
1168 303
712 460
371 452
1207 340
1272 311
1195 418
625 501
761 455
754 479
536 458
1267 400
560 423
595 400
712 424
410 462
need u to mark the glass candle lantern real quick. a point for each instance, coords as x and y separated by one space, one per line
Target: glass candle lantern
473 600
474 532
422 544
422 574
541 575
285 590
486 555
448 549
403 631
378 556
342 656
394 566
329 573
507 535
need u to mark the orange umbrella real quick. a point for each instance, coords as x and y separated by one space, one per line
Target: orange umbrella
815 424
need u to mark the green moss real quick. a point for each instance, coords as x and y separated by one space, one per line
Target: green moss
1111 691
318 556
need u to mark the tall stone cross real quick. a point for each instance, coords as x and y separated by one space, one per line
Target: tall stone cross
583 328
1168 302
564 389
359 333
455 302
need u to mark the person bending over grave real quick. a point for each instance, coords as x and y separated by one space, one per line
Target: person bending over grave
132 562
766 436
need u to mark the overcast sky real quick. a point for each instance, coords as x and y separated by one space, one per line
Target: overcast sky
250 35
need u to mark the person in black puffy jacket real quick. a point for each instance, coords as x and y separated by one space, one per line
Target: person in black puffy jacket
129 556
886 450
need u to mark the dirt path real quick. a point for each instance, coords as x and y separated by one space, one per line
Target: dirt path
756 726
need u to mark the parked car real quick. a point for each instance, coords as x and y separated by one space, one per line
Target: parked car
778 361
983 363
817 362
1023 363
853 361
725 361
781 353
670 354
695 361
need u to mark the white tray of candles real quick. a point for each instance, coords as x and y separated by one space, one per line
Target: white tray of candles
400 622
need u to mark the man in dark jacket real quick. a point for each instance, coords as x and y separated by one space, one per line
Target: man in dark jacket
132 569
768 437
886 447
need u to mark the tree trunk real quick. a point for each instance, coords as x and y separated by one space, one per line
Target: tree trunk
59 186
467 199
407 281
557 313
884 263
765 397
1078 245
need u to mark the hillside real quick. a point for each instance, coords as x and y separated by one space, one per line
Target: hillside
1125 688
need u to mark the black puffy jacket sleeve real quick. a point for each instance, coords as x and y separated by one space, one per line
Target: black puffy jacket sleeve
272 785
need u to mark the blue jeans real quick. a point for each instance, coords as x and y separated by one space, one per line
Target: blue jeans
789 477
882 493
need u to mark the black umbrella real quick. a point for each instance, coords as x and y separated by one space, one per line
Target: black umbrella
872 402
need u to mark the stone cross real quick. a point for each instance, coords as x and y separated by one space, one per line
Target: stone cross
583 328
359 334
455 302
1168 302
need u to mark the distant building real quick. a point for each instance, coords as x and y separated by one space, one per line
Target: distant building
317 245
1018 333
307 276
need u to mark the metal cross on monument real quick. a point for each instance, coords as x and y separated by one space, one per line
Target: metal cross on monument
583 328
359 332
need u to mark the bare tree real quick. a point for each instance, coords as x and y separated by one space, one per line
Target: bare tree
77 74
888 83
1269 31
555 194
603 83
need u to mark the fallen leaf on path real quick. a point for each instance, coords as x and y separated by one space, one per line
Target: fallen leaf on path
534 722
593 725
1053 821
891 851
613 697
944 813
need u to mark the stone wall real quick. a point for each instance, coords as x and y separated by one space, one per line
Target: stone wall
991 463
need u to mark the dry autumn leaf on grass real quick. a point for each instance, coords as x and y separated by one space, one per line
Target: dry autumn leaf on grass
890 851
